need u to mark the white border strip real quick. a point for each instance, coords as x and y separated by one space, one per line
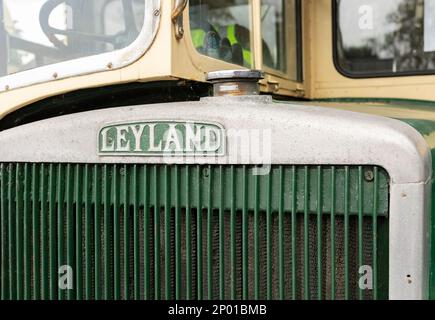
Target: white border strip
92 64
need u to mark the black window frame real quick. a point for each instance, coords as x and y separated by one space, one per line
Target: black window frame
299 43
347 74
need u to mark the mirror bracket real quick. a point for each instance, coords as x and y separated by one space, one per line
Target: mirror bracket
177 18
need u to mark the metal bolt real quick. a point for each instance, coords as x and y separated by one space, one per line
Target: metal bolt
110 65
369 176
274 85
55 75
180 31
157 12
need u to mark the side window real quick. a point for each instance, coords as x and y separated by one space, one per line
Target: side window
221 29
385 38
279 27
273 34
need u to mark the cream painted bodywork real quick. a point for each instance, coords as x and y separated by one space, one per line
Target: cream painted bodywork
324 81
169 58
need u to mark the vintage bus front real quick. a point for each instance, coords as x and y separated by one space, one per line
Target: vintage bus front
143 157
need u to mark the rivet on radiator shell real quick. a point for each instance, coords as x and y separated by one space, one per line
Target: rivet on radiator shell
369 176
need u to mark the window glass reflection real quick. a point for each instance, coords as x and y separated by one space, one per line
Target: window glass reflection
221 29
273 34
36 33
385 37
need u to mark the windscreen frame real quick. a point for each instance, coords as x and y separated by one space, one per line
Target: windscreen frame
95 63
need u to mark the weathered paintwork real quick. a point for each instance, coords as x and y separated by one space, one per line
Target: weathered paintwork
418 114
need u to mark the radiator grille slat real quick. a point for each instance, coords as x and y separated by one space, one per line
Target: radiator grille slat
307 235
269 237
70 225
210 236
346 234
281 234
256 240
60 228
79 229
187 260
192 232
198 239
12 243
88 233
146 236
320 270
221 235
375 233
19 232
360 225
332 270
294 234
35 229
107 234
4 236
27 232
156 235
114 194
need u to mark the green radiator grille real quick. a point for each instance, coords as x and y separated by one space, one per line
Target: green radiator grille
192 232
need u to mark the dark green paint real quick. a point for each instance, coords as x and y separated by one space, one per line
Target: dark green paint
411 112
90 235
